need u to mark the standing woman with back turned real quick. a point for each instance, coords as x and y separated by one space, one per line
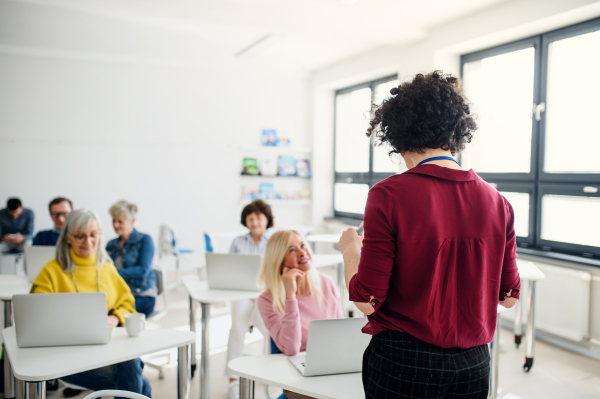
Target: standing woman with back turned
438 256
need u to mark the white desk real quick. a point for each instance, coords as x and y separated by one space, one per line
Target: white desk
199 292
531 273
34 366
277 370
9 286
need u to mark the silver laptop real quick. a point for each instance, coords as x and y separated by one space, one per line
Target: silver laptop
333 346
232 271
60 319
36 257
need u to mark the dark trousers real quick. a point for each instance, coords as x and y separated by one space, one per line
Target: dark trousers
144 304
398 365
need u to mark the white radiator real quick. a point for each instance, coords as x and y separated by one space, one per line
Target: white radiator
562 305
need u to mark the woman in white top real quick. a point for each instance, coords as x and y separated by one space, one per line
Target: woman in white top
257 217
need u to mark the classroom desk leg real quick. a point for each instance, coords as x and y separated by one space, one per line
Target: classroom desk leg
246 388
205 354
9 378
518 328
184 379
530 332
34 390
495 362
193 329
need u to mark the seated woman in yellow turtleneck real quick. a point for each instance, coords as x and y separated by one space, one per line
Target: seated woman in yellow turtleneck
82 265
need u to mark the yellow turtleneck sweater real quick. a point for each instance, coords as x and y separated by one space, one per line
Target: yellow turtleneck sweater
52 280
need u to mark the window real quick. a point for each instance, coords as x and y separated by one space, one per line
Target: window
536 105
358 164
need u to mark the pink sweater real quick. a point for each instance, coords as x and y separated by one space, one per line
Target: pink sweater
291 331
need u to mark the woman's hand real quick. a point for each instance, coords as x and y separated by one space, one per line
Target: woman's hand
350 241
113 321
290 283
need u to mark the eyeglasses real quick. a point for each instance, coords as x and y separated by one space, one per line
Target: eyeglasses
81 238
59 214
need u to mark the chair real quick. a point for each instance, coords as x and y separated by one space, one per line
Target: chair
168 245
208 243
158 314
112 393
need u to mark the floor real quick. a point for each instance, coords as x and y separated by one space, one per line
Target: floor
556 374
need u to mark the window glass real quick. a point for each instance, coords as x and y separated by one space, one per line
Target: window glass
351 123
572 132
500 89
351 198
520 205
571 219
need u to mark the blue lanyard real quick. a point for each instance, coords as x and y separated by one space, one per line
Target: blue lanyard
435 159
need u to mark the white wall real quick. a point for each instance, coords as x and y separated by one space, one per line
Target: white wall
503 23
98 109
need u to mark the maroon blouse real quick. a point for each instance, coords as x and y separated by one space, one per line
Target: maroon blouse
439 252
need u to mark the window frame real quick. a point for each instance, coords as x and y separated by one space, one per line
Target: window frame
370 178
547 39
539 183
522 44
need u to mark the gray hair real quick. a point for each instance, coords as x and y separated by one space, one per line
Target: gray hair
124 208
78 221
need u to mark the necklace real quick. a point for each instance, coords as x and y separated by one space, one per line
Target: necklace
97 280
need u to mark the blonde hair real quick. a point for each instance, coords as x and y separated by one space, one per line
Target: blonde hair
269 278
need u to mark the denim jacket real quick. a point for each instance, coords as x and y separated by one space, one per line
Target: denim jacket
137 255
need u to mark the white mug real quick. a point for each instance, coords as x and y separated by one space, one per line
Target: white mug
135 323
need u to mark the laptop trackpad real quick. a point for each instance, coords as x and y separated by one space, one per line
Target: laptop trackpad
298 361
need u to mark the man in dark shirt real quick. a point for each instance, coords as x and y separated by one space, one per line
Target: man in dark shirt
60 208
16 226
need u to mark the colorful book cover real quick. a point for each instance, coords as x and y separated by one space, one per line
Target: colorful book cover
287 165
250 166
269 137
303 167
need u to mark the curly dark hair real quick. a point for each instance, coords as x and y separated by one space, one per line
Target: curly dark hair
258 206
431 111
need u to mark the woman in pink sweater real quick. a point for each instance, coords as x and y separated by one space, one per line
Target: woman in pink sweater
294 293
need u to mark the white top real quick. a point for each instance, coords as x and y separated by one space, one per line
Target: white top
278 371
199 291
529 271
332 238
11 285
47 363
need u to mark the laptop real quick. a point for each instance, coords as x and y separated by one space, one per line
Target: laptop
60 319
333 346
36 257
232 271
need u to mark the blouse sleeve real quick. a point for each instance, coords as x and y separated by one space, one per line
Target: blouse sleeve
43 282
510 279
378 251
285 330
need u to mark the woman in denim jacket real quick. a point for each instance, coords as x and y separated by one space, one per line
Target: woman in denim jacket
132 254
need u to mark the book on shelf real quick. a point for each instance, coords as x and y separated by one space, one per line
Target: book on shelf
287 165
250 166
303 168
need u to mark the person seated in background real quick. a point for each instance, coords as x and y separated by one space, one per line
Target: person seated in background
133 252
295 293
16 226
257 217
60 208
82 265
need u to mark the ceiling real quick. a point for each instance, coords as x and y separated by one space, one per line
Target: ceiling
316 33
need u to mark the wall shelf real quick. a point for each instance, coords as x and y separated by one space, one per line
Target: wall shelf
277 150
277 177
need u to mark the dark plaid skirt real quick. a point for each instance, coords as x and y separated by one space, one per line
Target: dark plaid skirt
398 365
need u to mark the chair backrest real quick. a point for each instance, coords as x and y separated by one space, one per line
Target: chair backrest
208 243
166 241
115 393
160 278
